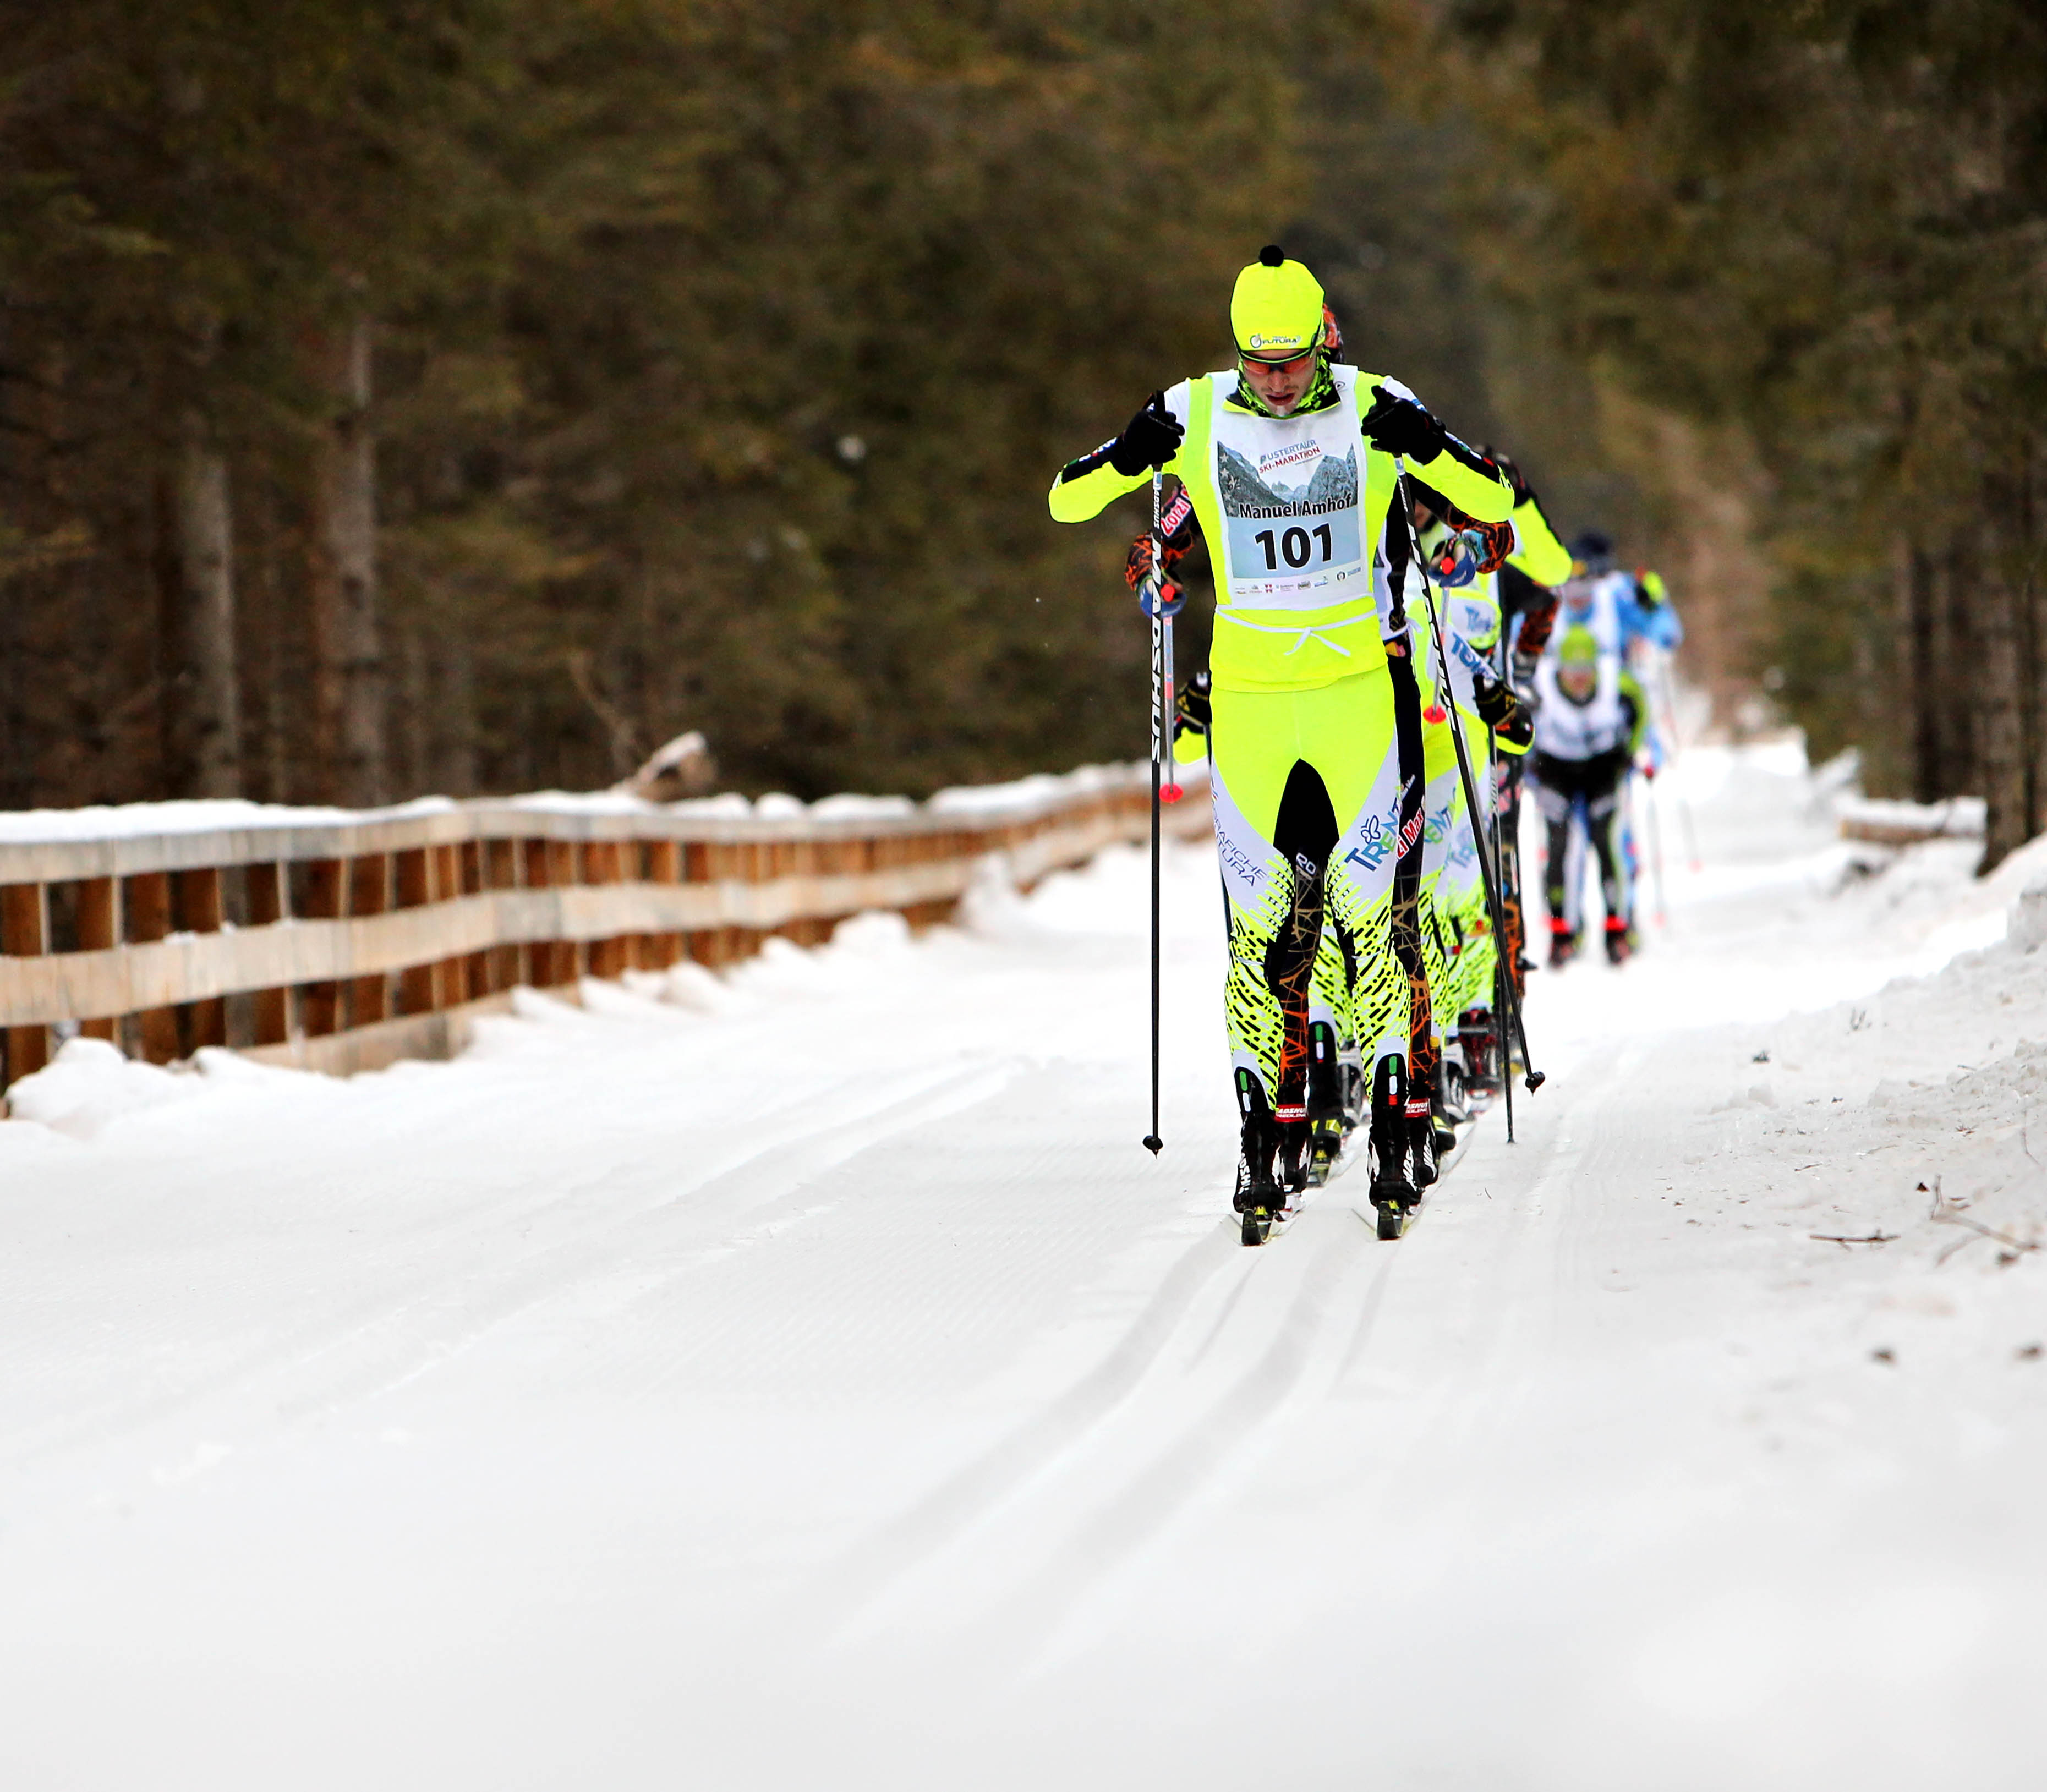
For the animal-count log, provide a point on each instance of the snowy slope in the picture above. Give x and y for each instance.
(803, 1378)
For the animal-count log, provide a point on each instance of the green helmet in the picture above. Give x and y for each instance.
(1277, 311)
(1579, 647)
(1578, 666)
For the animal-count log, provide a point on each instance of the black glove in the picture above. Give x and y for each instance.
(1401, 427)
(1150, 439)
(1192, 710)
(1503, 712)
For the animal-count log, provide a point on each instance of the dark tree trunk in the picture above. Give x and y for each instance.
(1918, 679)
(1954, 694)
(2030, 514)
(455, 772)
(349, 672)
(201, 698)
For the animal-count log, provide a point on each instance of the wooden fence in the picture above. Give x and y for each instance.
(343, 945)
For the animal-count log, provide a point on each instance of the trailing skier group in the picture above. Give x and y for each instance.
(1399, 634)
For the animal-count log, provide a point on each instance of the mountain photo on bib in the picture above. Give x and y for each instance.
(1293, 522)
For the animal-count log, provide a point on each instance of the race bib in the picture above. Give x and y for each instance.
(1289, 496)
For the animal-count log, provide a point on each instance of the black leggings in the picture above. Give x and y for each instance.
(1597, 783)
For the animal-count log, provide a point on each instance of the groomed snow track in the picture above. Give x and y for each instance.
(804, 1379)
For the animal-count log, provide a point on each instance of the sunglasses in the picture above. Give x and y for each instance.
(1295, 365)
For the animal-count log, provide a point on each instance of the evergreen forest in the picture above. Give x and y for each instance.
(467, 396)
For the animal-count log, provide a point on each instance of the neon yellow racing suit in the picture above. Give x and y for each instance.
(1299, 514)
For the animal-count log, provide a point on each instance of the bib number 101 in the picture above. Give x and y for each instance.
(1296, 546)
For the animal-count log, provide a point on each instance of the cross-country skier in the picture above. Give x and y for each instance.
(1525, 589)
(1589, 727)
(1289, 458)
(1619, 607)
(1457, 928)
(1629, 613)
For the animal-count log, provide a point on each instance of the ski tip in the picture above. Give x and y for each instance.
(1154, 1143)
(1170, 793)
(1535, 1079)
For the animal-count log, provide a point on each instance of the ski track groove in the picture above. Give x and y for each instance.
(1153, 1500)
(867, 1574)
(998, 1508)
(415, 1325)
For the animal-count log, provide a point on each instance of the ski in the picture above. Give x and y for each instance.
(1395, 1220)
(1260, 1224)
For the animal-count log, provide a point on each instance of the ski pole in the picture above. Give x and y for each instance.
(1162, 737)
(1655, 831)
(1668, 703)
(1448, 697)
(1499, 943)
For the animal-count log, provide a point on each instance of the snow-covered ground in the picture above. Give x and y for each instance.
(804, 1379)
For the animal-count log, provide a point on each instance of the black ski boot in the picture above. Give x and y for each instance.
(1258, 1195)
(1448, 1107)
(1422, 1140)
(1563, 944)
(1393, 1191)
(1325, 1125)
(1619, 941)
(1291, 1171)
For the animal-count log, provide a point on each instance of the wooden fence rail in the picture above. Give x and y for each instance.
(343, 944)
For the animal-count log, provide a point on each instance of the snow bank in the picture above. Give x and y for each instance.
(1885, 819)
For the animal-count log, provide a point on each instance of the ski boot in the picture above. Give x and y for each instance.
(1291, 1171)
(1325, 1106)
(1258, 1195)
(1563, 943)
(1619, 941)
(1448, 1108)
(1442, 1133)
(1357, 1094)
(1480, 1050)
(1393, 1191)
(1421, 1143)
(1325, 1141)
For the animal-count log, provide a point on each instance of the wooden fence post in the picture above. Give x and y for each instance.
(24, 932)
(319, 1004)
(476, 965)
(565, 957)
(196, 908)
(369, 893)
(415, 984)
(267, 885)
(98, 930)
(146, 905)
(451, 974)
(501, 862)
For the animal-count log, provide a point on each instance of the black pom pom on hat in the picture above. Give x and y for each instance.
(1272, 255)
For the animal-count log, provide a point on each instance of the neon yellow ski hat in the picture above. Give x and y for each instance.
(1276, 312)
